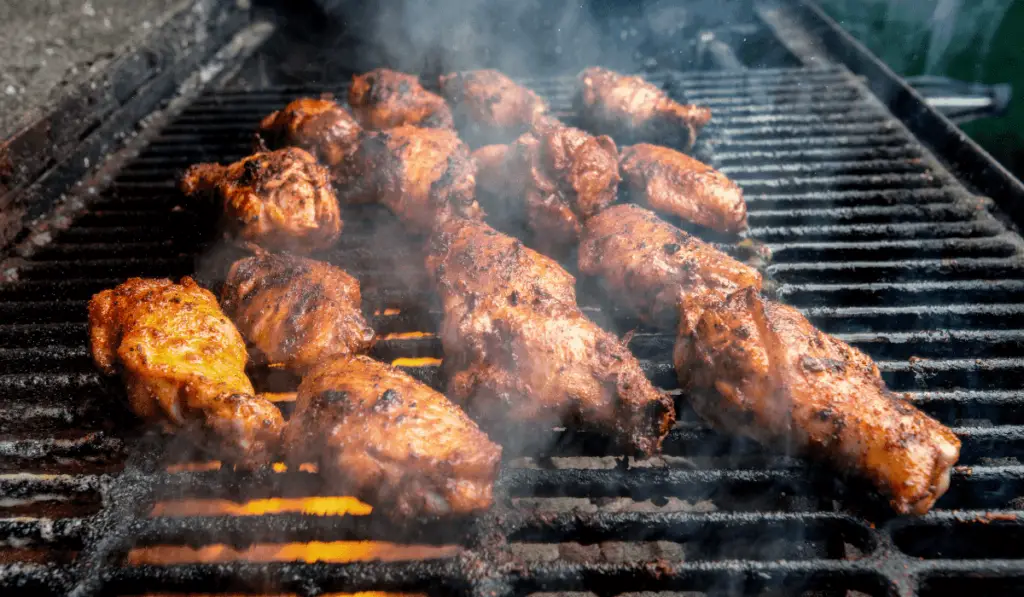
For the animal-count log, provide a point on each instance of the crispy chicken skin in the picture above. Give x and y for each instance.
(383, 98)
(489, 106)
(424, 176)
(183, 364)
(630, 107)
(655, 269)
(671, 182)
(394, 441)
(519, 351)
(764, 371)
(551, 181)
(320, 126)
(279, 200)
(296, 311)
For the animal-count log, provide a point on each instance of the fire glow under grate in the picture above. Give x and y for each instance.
(871, 237)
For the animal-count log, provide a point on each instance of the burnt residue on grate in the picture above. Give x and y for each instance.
(870, 237)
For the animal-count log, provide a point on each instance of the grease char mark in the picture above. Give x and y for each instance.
(671, 248)
(388, 400)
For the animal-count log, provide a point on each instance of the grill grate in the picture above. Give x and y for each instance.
(872, 238)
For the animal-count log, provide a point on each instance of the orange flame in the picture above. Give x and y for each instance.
(337, 552)
(408, 335)
(320, 506)
(417, 362)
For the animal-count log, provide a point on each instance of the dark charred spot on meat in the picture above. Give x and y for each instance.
(513, 298)
(671, 248)
(250, 172)
(389, 399)
(404, 87)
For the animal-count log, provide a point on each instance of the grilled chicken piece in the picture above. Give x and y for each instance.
(550, 181)
(296, 311)
(673, 183)
(519, 352)
(490, 107)
(394, 441)
(382, 99)
(655, 269)
(424, 176)
(630, 107)
(762, 370)
(280, 200)
(320, 126)
(183, 364)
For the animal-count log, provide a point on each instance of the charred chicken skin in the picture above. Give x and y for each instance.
(320, 126)
(630, 107)
(183, 364)
(489, 106)
(394, 441)
(551, 181)
(296, 311)
(382, 99)
(656, 270)
(671, 182)
(279, 200)
(424, 176)
(762, 370)
(519, 351)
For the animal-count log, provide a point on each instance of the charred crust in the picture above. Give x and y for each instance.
(389, 399)
(671, 248)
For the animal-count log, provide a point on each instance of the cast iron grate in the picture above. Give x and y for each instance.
(872, 238)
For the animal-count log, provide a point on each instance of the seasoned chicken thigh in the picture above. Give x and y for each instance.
(762, 370)
(296, 311)
(518, 350)
(320, 126)
(628, 107)
(279, 200)
(383, 99)
(490, 107)
(391, 440)
(183, 364)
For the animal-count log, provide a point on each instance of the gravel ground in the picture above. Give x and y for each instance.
(44, 44)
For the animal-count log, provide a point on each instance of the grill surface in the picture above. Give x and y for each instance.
(872, 238)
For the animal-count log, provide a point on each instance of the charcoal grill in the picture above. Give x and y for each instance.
(890, 243)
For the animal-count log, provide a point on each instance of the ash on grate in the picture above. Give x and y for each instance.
(609, 552)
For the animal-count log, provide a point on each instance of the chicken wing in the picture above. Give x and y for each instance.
(519, 351)
(296, 311)
(671, 182)
(382, 99)
(424, 176)
(320, 126)
(656, 270)
(764, 371)
(631, 108)
(183, 364)
(280, 200)
(394, 441)
(551, 181)
(489, 107)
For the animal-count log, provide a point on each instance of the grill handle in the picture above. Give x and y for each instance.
(961, 101)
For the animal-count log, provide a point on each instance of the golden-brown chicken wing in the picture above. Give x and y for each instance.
(383, 98)
(392, 440)
(671, 182)
(489, 107)
(183, 364)
(424, 176)
(655, 269)
(558, 176)
(280, 200)
(764, 371)
(296, 311)
(629, 107)
(320, 126)
(518, 350)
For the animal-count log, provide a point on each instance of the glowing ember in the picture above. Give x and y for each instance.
(419, 362)
(279, 396)
(388, 311)
(320, 506)
(408, 335)
(194, 467)
(337, 552)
